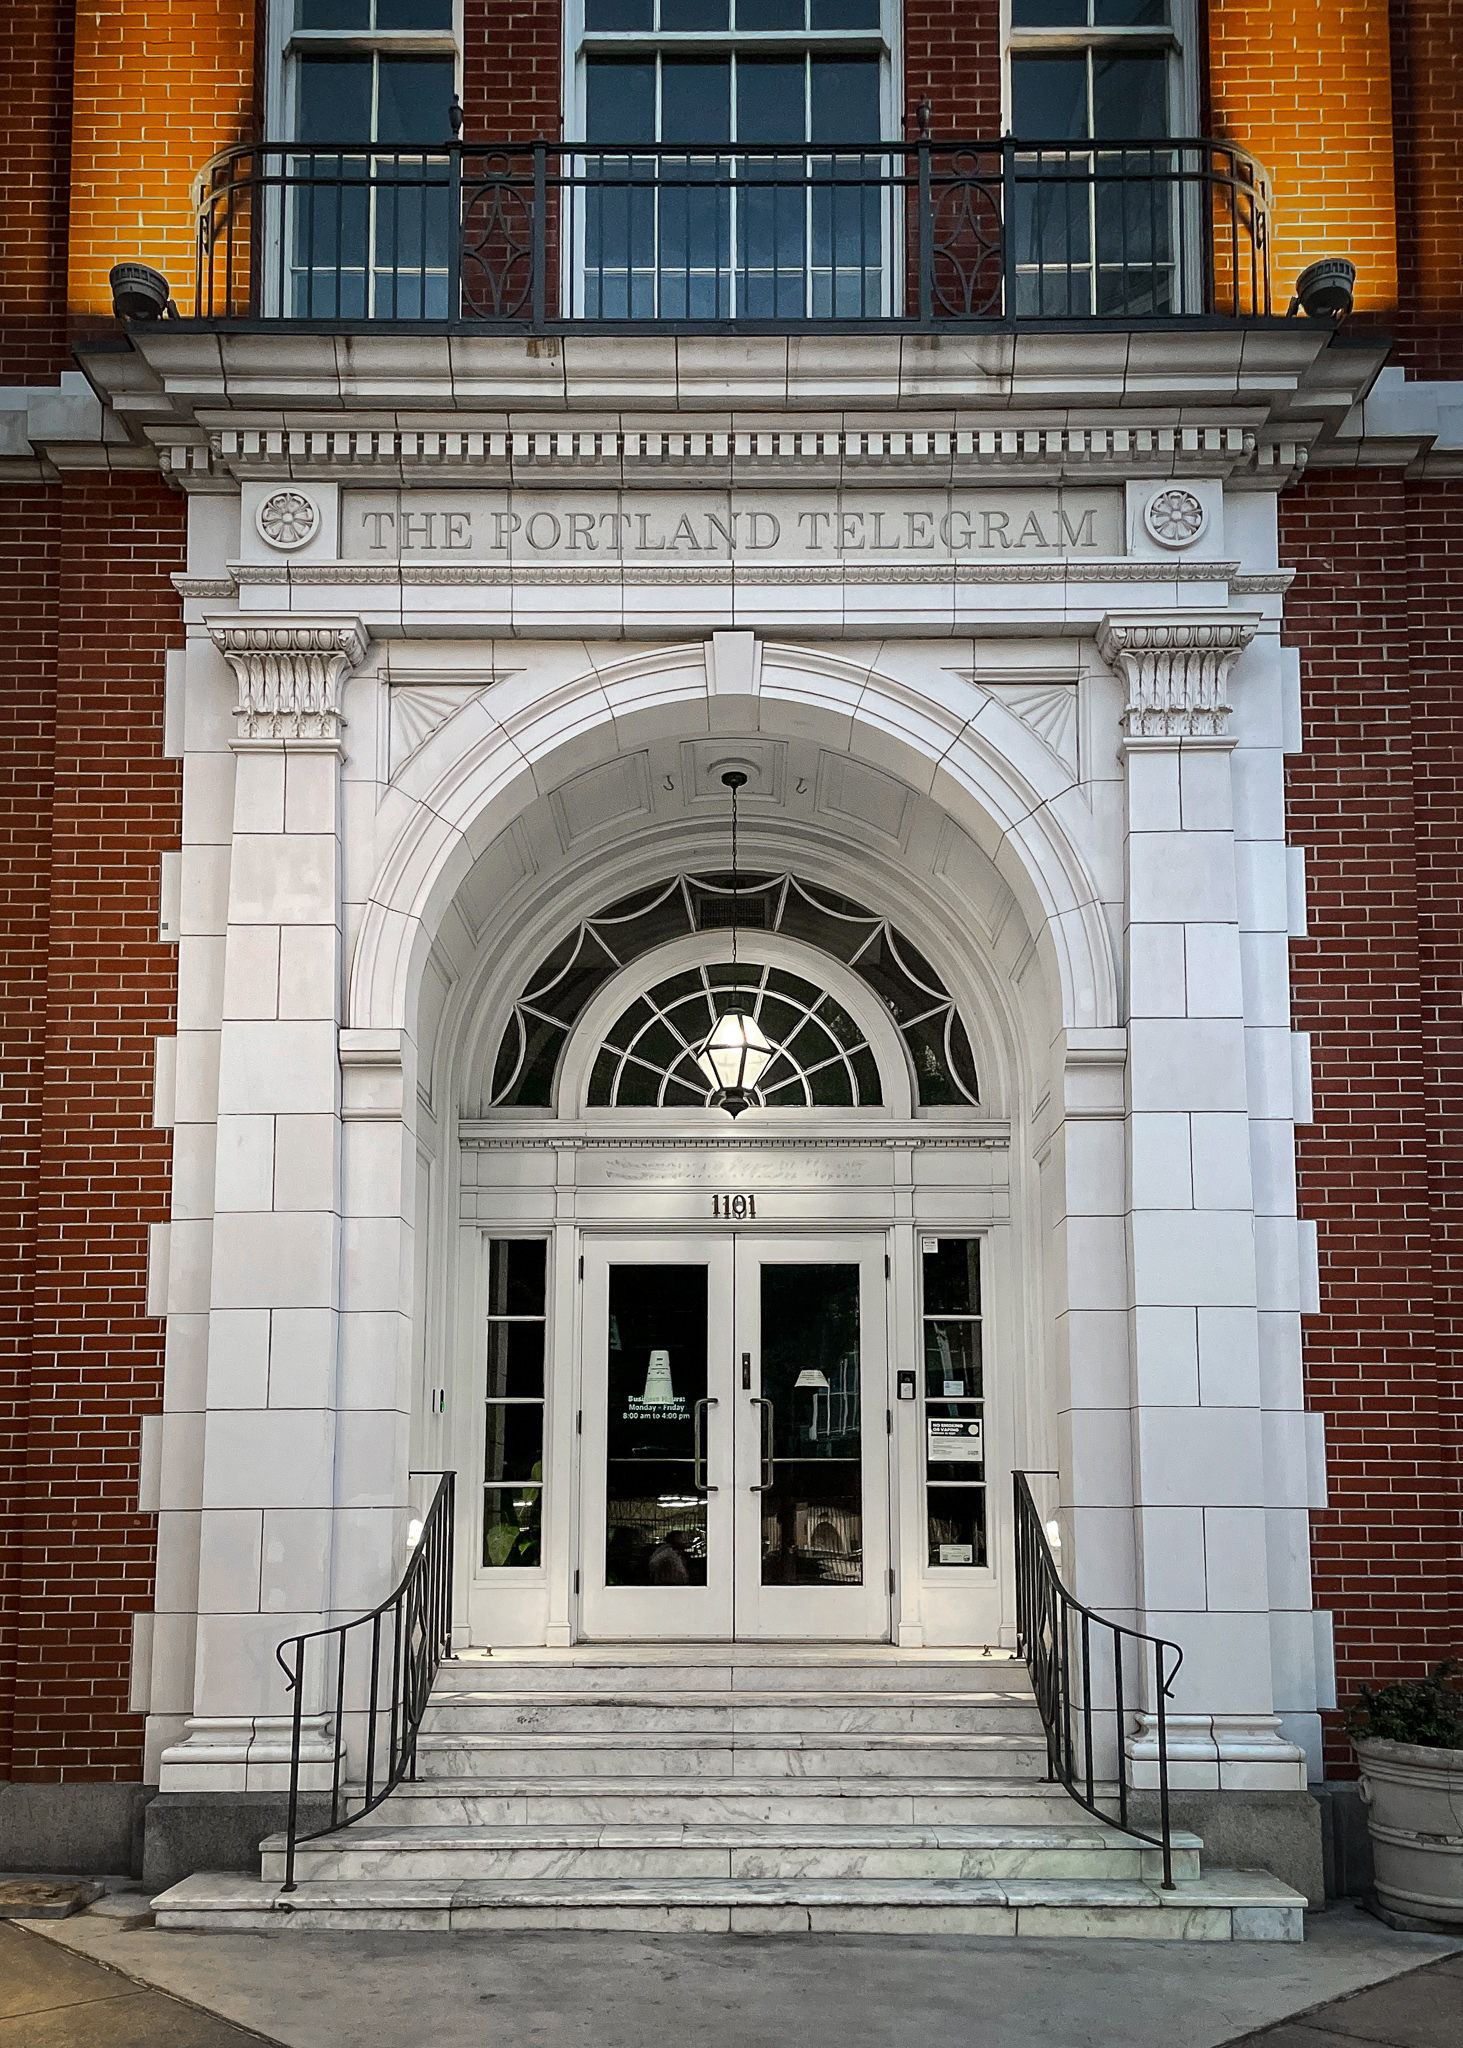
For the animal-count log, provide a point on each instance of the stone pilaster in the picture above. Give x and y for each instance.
(1197, 1440)
(272, 1431)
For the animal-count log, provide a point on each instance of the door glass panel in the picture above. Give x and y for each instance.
(655, 1505)
(811, 1441)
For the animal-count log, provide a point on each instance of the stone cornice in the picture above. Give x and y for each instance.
(289, 669)
(1247, 400)
(1175, 669)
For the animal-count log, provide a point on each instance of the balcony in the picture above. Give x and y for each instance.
(548, 239)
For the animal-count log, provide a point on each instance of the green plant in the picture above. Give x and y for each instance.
(1426, 1711)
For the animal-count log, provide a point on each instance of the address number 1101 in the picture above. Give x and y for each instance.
(735, 1208)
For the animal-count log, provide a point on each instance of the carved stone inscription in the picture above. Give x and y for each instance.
(666, 527)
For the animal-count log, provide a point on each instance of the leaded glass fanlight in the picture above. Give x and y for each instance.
(920, 1006)
(819, 1056)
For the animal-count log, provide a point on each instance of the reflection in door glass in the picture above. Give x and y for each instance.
(656, 1422)
(812, 1471)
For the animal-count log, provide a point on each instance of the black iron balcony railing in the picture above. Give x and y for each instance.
(548, 236)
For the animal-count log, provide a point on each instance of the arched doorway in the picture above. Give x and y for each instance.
(735, 1344)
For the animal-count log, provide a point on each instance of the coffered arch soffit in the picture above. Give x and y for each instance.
(474, 792)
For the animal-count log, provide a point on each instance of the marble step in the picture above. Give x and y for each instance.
(1222, 1906)
(787, 1753)
(764, 1712)
(713, 1668)
(597, 1852)
(767, 1801)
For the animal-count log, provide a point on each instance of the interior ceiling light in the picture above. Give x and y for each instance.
(735, 1053)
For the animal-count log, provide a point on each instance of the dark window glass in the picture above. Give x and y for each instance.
(1048, 13)
(952, 1358)
(655, 1501)
(413, 13)
(695, 102)
(1049, 98)
(845, 99)
(516, 1269)
(333, 99)
(764, 14)
(957, 1525)
(332, 13)
(687, 17)
(770, 101)
(619, 15)
(412, 98)
(1130, 13)
(1130, 96)
(511, 1525)
(952, 1277)
(619, 101)
(515, 1440)
(515, 1361)
(844, 14)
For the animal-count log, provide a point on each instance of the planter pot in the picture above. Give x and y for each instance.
(1414, 1803)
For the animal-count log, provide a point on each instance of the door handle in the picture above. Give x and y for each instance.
(698, 1450)
(768, 1417)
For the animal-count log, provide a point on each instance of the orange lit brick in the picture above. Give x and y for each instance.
(1306, 87)
(158, 89)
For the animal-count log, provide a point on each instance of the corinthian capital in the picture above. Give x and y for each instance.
(289, 669)
(1175, 666)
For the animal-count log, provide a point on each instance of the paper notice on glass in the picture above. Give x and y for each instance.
(957, 1553)
(955, 1443)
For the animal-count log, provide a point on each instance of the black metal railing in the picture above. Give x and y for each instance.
(1090, 1676)
(548, 236)
(381, 1694)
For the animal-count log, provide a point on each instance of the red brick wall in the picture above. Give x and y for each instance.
(86, 1560)
(511, 61)
(1379, 1358)
(1435, 634)
(29, 589)
(35, 141)
(1427, 130)
(952, 57)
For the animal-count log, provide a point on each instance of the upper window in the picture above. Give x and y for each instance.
(1102, 70)
(714, 221)
(640, 1061)
(1102, 218)
(367, 228)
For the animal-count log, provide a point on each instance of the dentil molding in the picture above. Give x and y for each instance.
(1175, 669)
(289, 669)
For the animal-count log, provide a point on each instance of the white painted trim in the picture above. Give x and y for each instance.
(159, 1251)
(164, 1083)
(169, 898)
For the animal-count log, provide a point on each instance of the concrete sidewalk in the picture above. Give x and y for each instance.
(1424, 2009)
(611, 1991)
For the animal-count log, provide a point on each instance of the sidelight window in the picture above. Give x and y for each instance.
(954, 1401)
(513, 1464)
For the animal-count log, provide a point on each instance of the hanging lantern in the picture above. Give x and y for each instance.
(735, 1053)
(734, 1057)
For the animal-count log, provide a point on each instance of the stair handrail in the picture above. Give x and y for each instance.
(421, 1637)
(1054, 1632)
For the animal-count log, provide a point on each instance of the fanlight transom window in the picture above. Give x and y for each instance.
(823, 1056)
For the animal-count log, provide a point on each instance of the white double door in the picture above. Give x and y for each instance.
(735, 1461)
